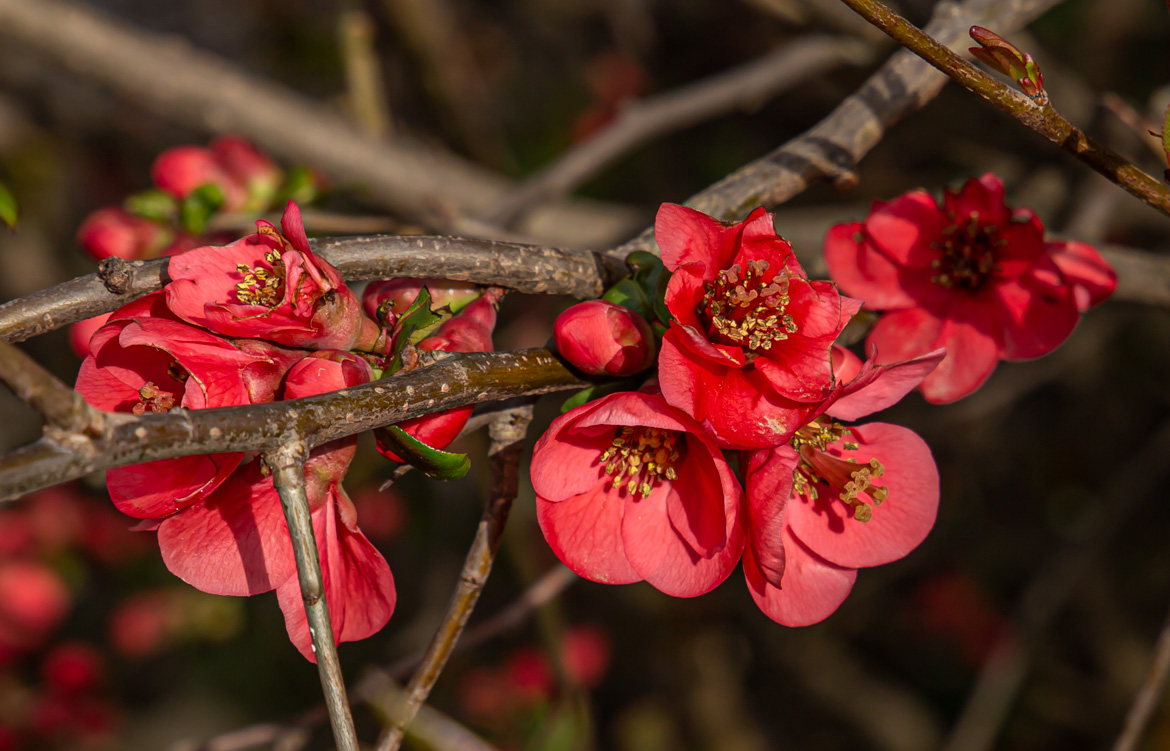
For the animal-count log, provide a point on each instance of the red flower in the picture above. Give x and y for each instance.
(112, 231)
(236, 541)
(747, 354)
(144, 361)
(629, 488)
(837, 498)
(604, 339)
(971, 275)
(469, 331)
(181, 170)
(398, 294)
(249, 167)
(269, 286)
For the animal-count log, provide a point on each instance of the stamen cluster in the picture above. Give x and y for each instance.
(645, 455)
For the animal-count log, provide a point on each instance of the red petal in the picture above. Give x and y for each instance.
(883, 386)
(293, 228)
(359, 588)
(812, 587)
(234, 543)
(688, 236)
(972, 352)
(1092, 277)
(981, 197)
(1023, 239)
(691, 503)
(769, 485)
(1037, 312)
(905, 334)
(898, 525)
(585, 532)
(904, 228)
(863, 271)
(160, 488)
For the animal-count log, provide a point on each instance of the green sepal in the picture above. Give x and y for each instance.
(629, 294)
(197, 208)
(598, 390)
(152, 204)
(9, 209)
(577, 399)
(298, 186)
(441, 465)
(415, 324)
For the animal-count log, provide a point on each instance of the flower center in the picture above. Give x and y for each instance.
(640, 457)
(154, 399)
(746, 308)
(850, 482)
(969, 251)
(262, 285)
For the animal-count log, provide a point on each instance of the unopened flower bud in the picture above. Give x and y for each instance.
(112, 231)
(604, 339)
(260, 176)
(182, 170)
(398, 294)
(1003, 56)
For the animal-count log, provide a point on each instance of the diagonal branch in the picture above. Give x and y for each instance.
(63, 408)
(832, 148)
(525, 268)
(506, 451)
(453, 381)
(746, 86)
(1148, 695)
(1039, 118)
(288, 475)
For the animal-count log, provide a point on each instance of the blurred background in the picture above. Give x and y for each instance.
(1027, 620)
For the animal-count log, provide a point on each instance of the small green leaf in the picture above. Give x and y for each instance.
(198, 208)
(441, 465)
(577, 399)
(9, 210)
(629, 294)
(152, 204)
(298, 186)
(661, 312)
(415, 324)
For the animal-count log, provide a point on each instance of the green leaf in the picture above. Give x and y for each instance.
(661, 312)
(198, 208)
(298, 186)
(441, 465)
(9, 210)
(152, 204)
(415, 324)
(577, 399)
(629, 294)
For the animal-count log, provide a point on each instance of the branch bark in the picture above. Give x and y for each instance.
(505, 454)
(453, 381)
(1042, 119)
(524, 268)
(288, 475)
(833, 147)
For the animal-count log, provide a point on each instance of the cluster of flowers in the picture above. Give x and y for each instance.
(259, 320)
(638, 485)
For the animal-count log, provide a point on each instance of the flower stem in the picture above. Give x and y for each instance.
(1042, 119)
(288, 474)
(507, 448)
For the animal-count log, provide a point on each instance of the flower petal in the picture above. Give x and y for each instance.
(235, 543)
(585, 532)
(688, 236)
(972, 352)
(160, 488)
(812, 588)
(878, 387)
(769, 486)
(1092, 277)
(863, 271)
(1037, 312)
(898, 524)
(904, 229)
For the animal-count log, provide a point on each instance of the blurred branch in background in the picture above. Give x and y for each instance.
(365, 87)
(745, 87)
(1146, 700)
(198, 89)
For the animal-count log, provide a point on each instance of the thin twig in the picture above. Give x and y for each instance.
(453, 381)
(525, 268)
(365, 92)
(505, 453)
(1038, 117)
(1146, 699)
(431, 728)
(288, 475)
(62, 407)
(832, 148)
(747, 86)
(1048, 592)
